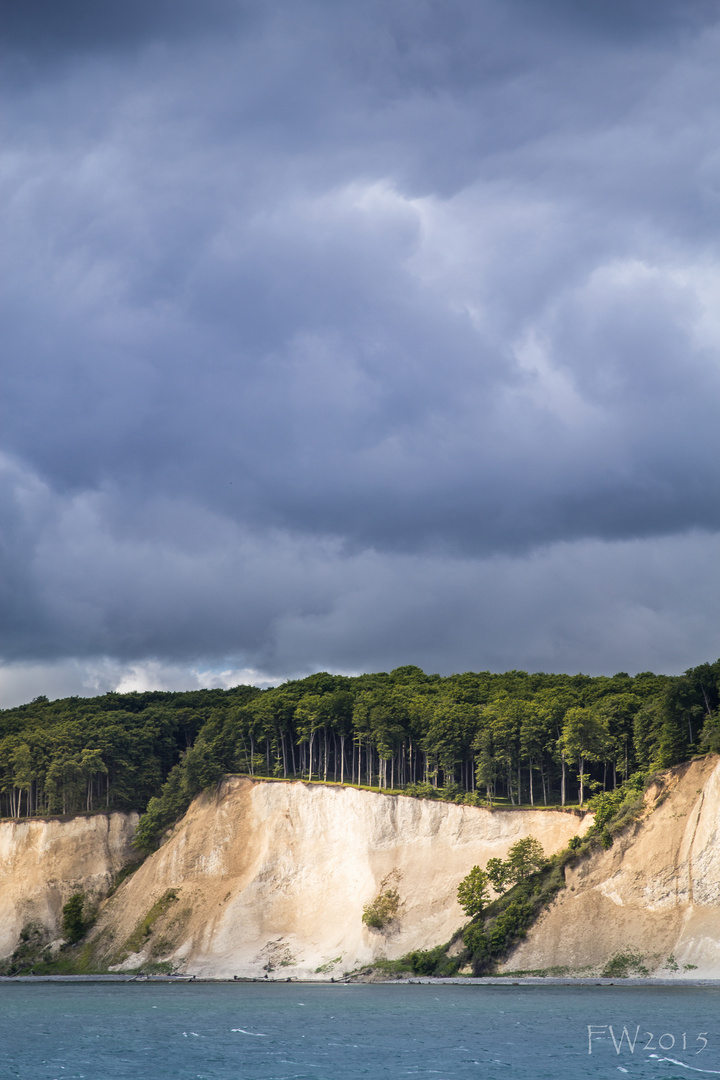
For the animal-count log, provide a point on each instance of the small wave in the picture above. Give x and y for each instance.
(683, 1065)
(257, 1034)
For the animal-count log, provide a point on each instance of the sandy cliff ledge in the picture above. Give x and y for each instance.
(275, 875)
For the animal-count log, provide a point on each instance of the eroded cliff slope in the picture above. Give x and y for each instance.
(655, 894)
(43, 862)
(272, 878)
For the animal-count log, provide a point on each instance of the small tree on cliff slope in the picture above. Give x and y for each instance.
(524, 858)
(498, 873)
(73, 924)
(472, 892)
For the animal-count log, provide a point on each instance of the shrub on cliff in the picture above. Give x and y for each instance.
(73, 923)
(382, 910)
(472, 893)
(432, 962)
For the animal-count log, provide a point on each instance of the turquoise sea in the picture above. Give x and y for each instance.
(141, 1031)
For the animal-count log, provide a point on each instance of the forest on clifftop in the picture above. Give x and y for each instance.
(483, 738)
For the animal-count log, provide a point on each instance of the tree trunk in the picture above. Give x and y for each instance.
(562, 782)
(582, 778)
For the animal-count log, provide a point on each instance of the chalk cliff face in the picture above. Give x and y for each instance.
(43, 862)
(273, 877)
(654, 893)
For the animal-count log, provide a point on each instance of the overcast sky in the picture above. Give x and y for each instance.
(345, 334)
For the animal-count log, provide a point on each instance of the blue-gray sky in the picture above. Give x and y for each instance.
(344, 334)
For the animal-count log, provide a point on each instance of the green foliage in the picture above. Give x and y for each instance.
(422, 790)
(477, 944)
(491, 936)
(476, 738)
(73, 923)
(472, 892)
(689, 701)
(30, 950)
(138, 938)
(498, 874)
(383, 909)
(177, 794)
(431, 962)
(497, 927)
(524, 858)
(585, 738)
(110, 752)
(325, 969)
(613, 809)
(510, 925)
(622, 965)
(710, 738)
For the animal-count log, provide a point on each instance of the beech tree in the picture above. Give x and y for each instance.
(524, 858)
(498, 873)
(585, 737)
(472, 892)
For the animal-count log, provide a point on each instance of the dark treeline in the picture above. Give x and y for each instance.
(109, 752)
(519, 738)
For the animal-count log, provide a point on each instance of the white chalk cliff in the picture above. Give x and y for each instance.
(43, 862)
(655, 893)
(272, 878)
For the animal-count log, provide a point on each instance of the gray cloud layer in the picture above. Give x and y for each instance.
(346, 335)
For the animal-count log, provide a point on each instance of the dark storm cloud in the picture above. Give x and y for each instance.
(305, 297)
(621, 19)
(47, 28)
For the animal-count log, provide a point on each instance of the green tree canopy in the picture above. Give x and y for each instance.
(524, 858)
(472, 892)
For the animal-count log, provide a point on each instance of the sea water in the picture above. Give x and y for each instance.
(291, 1031)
